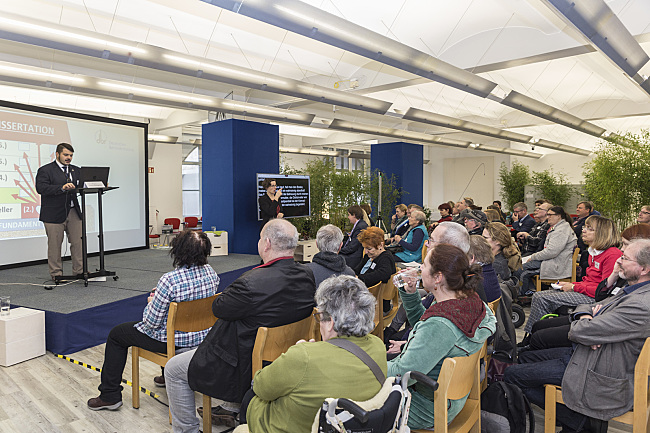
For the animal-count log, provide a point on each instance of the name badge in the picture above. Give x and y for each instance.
(372, 265)
(616, 290)
(597, 265)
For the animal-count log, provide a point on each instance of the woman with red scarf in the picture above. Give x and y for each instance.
(456, 324)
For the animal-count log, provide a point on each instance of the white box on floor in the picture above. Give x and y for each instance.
(305, 251)
(22, 336)
(219, 241)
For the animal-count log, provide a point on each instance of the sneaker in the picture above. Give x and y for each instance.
(99, 404)
(221, 416)
(159, 381)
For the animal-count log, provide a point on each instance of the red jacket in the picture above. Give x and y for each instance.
(600, 267)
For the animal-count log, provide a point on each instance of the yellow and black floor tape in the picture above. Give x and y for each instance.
(99, 370)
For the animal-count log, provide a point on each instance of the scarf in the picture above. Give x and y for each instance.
(466, 313)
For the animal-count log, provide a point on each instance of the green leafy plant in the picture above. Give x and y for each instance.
(553, 186)
(513, 182)
(616, 179)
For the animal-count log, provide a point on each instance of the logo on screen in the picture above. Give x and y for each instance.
(100, 137)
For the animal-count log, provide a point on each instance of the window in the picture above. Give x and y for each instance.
(192, 185)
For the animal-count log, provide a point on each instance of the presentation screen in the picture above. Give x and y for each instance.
(295, 194)
(28, 140)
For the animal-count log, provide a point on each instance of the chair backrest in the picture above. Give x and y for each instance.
(174, 222)
(189, 316)
(424, 250)
(376, 292)
(191, 222)
(270, 343)
(494, 305)
(641, 390)
(389, 293)
(458, 375)
(575, 262)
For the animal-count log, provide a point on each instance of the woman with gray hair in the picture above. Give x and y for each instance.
(287, 394)
(327, 262)
(413, 239)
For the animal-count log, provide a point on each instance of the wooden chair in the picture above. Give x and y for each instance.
(494, 305)
(376, 292)
(487, 356)
(388, 293)
(270, 343)
(637, 417)
(189, 316)
(574, 270)
(458, 377)
(424, 251)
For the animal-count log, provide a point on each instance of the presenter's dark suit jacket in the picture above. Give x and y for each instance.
(352, 251)
(55, 203)
(269, 209)
(524, 225)
(274, 294)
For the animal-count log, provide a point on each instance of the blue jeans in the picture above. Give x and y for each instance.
(539, 367)
(526, 274)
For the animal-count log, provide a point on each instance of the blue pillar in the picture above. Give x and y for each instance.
(404, 160)
(233, 152)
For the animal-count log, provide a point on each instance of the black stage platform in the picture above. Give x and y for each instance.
(78, 317)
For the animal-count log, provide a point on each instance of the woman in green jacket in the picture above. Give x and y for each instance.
(456, 324)
(289, 392)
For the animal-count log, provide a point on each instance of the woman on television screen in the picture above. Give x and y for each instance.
(270, 206)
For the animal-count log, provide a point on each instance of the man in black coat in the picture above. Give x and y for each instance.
(276, 293)
(352, 249)
(56, 183)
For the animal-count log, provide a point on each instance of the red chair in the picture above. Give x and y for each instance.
(176, 224)
(153, 238)
(191, 223)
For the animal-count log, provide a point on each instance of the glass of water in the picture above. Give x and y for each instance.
(5, 305)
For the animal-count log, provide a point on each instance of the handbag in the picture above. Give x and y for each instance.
(394, 248)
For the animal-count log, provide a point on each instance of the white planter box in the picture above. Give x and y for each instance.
(22, 336)
(219, 243)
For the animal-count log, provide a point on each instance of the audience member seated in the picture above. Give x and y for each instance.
(445, 215)
(276, 293)
(413, 239)
(399, 222)
(554, 332)
(327, 261)
(191, 279)
(378, 265)
(368, 210)
(644, 215)
(506, 254)
(497, 203)
(554, 261)
(465, 203)
(480, 253)
(603, 239)
(287, 394)
(474, 221)
(533, 241)
(522, 222)
(597, 373)
(458, 323)
(352, 249)
(493, 214)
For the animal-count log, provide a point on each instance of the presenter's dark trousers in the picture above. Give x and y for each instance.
(72, 227)
(117, 347)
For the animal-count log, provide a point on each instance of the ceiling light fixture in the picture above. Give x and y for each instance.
(182, 97)
(529, 105)
(56, 33)
(304, 151)
(21, 72)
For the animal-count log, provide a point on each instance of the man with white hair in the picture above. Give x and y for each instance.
(644, 215)
(276, 293)
(327, 262)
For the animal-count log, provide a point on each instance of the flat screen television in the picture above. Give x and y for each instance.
(295, 194)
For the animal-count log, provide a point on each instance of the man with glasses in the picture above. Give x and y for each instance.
(644, 215)
(522, 221)
(583, 211)
(597, 372)
(533, 242)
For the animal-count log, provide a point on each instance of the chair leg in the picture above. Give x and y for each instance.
(549, 409)
(207, 414)
(135, 369)
(538, 283)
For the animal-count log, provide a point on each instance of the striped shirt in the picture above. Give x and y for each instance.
(181, 284)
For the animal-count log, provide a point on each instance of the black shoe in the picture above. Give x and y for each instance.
(99, 404)
(159, 381)
(221, 416)
(525, 342)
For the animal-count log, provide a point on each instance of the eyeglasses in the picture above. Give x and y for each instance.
(520, 210)
(627, 259)
(321, 317)
(644, 212)
(588, 229)
(551, 214)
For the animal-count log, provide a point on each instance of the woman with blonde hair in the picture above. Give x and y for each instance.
(507, 257)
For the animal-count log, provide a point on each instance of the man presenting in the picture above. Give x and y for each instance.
(56, 183)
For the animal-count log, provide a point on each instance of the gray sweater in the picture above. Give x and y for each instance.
(326, 264)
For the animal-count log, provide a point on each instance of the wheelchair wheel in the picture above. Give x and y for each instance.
(518, 315)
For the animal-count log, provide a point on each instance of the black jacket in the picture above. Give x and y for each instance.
(269, 209)
(55, 203)
(384, 267)
(274, 294)
(352, 251)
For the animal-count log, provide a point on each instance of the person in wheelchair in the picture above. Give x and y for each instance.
(287, 395)
(456, 324)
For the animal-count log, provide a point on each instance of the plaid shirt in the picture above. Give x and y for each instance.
(181, 284)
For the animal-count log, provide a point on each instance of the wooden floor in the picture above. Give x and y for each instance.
(49, 394)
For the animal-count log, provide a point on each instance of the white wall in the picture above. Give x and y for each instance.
(567, 163)
(165, 184)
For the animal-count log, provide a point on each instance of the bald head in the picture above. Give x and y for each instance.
(278, 239)
(451, 233)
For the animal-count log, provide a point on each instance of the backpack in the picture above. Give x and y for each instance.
(504, 408)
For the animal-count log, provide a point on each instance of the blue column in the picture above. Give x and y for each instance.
(404, 160)
(233, 152)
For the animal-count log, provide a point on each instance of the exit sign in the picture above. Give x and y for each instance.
(150, 169)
